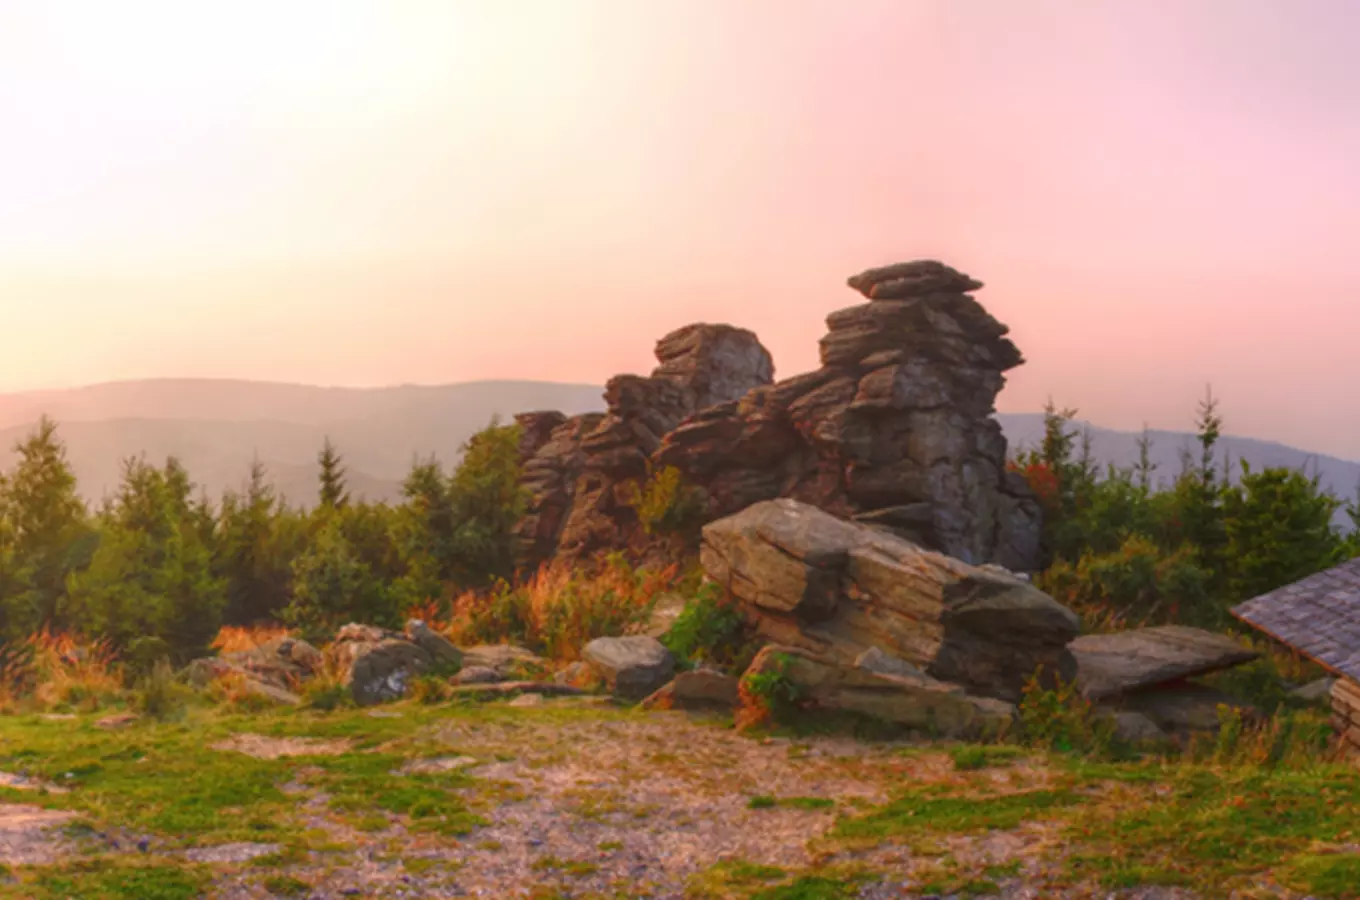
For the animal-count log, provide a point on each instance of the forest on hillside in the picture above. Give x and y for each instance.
(158, 568)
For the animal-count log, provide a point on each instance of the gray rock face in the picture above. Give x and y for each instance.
(632, 667)
(1127, 661)
(837, 589)
(440, 648)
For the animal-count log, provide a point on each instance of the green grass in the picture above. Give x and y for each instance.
(1254, 810)
(968, 757)
(111, 880)
(764, 801)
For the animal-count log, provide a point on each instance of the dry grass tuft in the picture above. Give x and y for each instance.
(54, 670)
(234, 639)
(560, 609)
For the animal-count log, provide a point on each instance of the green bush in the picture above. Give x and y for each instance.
(665, 504)
(1061, 719)
(711, 629)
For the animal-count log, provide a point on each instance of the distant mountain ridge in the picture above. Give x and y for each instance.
(217, 427)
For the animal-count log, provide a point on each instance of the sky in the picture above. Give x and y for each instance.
(1159, 195)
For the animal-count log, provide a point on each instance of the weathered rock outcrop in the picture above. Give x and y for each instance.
(894, 429)
(838, 589)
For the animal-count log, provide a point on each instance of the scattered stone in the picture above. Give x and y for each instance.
(383, 714)
(440, 648)
(1314, 691)
(116, 721)
(264, 747)
(632, 667)
(699, 689)
(837, 589)
(476, 675)
(1126, 661)
(527, 700)
(917, 702)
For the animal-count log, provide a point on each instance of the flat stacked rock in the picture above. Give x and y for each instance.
(860, 598)
(549, 474)
(1142, 678)
(895, 429)
(1129, 661)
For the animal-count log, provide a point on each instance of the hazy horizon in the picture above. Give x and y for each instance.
(1158, 195)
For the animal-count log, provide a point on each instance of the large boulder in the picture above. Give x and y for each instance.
(377, 665)
(1128, 661)
(836, 589)
(380, 672)
(916, 702)
(631, 667)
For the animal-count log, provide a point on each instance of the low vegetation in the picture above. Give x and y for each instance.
(147, 787)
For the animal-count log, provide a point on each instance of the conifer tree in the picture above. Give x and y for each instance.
(46, 532)
(334, 494)
(151, 575)
(258, 539)
(1144, 468)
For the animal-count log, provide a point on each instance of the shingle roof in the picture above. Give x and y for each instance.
(1318, 616)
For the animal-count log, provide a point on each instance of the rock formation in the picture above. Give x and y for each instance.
(581, 479)
(838, 589)
(895, 429)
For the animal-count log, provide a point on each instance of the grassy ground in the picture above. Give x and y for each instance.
(568, 798)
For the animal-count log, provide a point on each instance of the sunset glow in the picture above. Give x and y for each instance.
(1157, 195)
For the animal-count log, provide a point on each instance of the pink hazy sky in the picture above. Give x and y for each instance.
(1157, 193)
